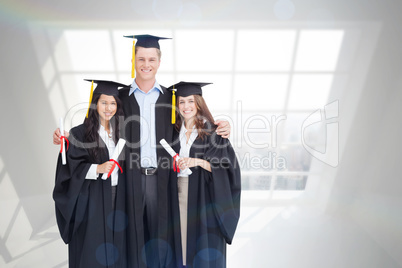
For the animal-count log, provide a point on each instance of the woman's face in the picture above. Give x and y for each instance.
(187, 107)
(106, 107)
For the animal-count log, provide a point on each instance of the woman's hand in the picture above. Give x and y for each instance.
(105, 167)
(56, 136)
(188, 162)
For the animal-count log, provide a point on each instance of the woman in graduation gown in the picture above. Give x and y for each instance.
(90, 211)
(209, 198)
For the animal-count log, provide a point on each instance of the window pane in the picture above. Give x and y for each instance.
(291, 182)
(309, 91)
(318, 50)
(256, 92)
(296, 157)
(256, 182)
(204, 50)
(262, 50)
(123, 50)
(259, 130)
(292, 127)
(89, 50)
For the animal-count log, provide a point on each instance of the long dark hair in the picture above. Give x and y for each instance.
(92, 126)
(204, 122)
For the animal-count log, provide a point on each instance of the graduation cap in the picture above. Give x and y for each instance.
(184, 89)
(146, 40)
(143, 40)
(104, 87)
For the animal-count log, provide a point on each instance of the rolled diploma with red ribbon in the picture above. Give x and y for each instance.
(173, 154)
(119, 147)
(63, 146)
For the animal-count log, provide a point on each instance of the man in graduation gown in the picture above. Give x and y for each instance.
(147, 109)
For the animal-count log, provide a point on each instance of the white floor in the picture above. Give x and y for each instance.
(272, 236)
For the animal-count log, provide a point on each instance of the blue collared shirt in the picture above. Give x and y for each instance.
(146, 102)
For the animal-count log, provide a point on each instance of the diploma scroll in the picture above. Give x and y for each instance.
(175, 156)
(63, 146)
(117, 151)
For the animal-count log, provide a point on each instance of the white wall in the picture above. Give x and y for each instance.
(349, 218)
(368, 184)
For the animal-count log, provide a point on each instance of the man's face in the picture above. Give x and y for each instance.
(147, 63)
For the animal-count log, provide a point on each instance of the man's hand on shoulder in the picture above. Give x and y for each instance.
(223, 128)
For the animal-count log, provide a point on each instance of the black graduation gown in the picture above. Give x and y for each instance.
(95, 234)
(164, 130)
(213, 203)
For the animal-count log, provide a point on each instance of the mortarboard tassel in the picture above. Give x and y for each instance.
(133, 62)
(173, 107)
(90, 97)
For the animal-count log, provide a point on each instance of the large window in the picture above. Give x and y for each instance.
(266, 82)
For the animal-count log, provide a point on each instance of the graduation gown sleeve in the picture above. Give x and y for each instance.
(224, 185)
(71, 189)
